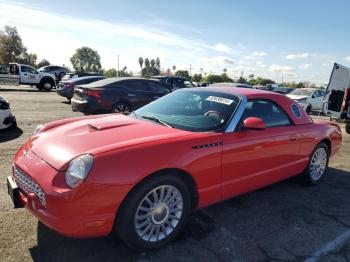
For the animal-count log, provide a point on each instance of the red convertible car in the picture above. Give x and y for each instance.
(142, 175)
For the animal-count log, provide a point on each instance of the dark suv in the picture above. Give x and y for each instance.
(174, 82)
(120, 95)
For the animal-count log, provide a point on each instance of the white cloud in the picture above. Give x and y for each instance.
(259, 53)
(57, 39)
(347, 58)
(220, 60)
(260, 64)
(305, 66)
(222, 48)
(297, 56)
(282, 69)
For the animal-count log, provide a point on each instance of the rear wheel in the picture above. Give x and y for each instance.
(154, 213)
(122, 108)
(317, 166)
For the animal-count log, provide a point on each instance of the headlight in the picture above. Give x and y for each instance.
(78, 169)
(38, 129)
(303, 101)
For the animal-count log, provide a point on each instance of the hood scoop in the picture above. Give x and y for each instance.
(103, 125)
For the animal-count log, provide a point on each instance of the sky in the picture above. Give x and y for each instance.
(296, 40)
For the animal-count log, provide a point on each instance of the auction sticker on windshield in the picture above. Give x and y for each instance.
(220, 100)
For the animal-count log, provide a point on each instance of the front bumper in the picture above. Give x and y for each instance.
(86, 211)
(65, 92)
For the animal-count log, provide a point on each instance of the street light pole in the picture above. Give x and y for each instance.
(118, 67)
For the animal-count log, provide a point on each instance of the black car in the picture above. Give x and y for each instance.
(283, 90)
(120, 95)
(174, 82)
(66, 88)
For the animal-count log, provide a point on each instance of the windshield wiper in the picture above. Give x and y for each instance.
(156, 119)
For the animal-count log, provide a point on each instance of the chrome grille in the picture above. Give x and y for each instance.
(28, 185)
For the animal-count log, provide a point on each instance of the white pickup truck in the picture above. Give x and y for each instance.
(18, 74)
(337, 98)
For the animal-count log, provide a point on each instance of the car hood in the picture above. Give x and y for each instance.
(60, 144)
(297, 97)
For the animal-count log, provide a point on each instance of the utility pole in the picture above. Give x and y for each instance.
(282, 80)
(118, 67)
(190, 70)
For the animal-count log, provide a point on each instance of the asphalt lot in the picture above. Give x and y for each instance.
(284, 222)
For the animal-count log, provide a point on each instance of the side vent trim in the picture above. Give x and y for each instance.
(207, 145)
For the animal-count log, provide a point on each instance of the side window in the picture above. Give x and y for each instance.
(156, 87)
(268, 111)
(136, 85)
(179, 83)
(296, 111)
(28, 69)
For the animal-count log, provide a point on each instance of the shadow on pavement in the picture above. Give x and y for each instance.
(10, 134)
(282, 223)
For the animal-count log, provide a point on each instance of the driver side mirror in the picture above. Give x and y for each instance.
(254, 123)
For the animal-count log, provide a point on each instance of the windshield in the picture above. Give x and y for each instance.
(191, 110)
(301, 92)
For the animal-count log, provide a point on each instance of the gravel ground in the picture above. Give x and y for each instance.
(283, 222)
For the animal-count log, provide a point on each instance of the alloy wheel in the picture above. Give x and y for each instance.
(159, 213)
(318, 163)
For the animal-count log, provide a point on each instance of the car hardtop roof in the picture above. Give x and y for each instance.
(248, 92)
(112, 80)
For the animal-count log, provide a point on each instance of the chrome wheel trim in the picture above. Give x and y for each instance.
(122, 108)
(159, 213)
(318, 163)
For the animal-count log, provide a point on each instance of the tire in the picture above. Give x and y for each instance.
(144, 231)
(347, 127)
(46, 85)
(308, 109)
(121, 107)
(311, 176)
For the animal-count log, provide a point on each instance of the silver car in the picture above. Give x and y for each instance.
(58, 71)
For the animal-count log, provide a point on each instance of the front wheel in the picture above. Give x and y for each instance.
(347, 127)
(154, 213)
(317, 166)
(308, 109)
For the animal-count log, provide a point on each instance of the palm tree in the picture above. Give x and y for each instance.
(153, 63)
(147, 66)
(141, 63)
(158, 63)
(225, 70)
(174, 68)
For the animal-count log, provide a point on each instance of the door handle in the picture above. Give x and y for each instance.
(292, 139)
(25, 74)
